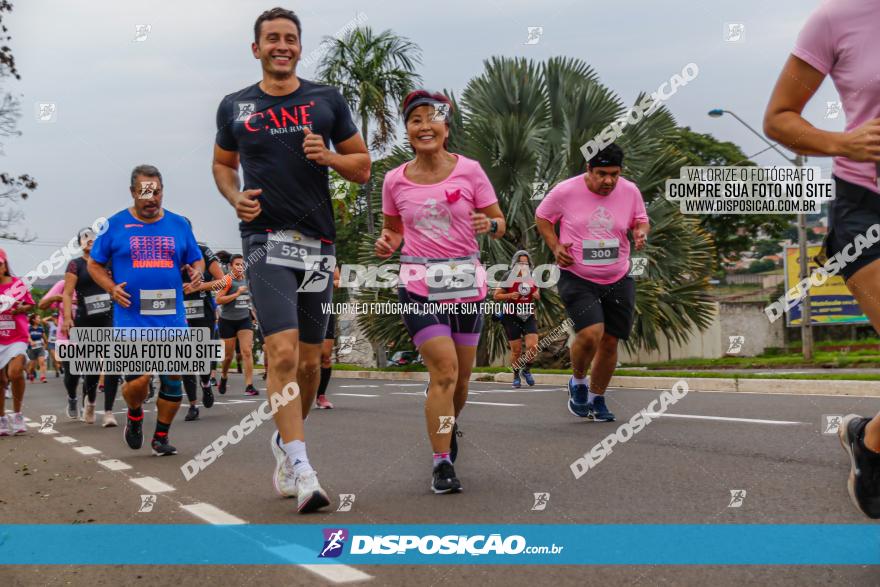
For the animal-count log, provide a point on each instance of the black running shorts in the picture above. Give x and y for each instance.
(589, 303)
(516, 328)
(276, 300)
(463, 323)
(852, 212)
(230, 328)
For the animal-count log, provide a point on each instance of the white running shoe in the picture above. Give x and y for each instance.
(310, 496)
(109, 421)
(18, 426)
(283, 478)
(5, 430)
(89, 413)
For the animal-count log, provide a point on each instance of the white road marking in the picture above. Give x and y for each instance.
(114, 465)
(152, 484)
(421, 393)
(65, 439)
(86, 450)
(495, 404)
(338, 573)
(211, 514)
(356, 394)
(47, 430)
(408, 384)
(515, 390)
(343, 386)
(32, 424)
(723, 419)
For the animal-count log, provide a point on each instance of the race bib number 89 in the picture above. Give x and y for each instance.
(158, 302)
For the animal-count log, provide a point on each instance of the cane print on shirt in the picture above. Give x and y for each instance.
(433, 219)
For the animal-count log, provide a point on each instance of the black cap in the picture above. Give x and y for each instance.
(610, 156)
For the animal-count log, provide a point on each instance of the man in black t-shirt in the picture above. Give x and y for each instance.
(199, 305)
(278, 130)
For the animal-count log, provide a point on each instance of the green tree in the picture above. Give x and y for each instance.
(732, 233)
(525, 123)
(374, 73)
(767, 246)
(761, 266)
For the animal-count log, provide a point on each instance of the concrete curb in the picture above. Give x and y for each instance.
(782, 386)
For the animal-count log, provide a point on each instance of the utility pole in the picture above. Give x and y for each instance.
(806, 322)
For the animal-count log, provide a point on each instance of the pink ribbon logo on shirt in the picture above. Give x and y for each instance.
(454, 196)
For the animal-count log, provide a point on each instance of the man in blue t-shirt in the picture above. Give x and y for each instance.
(148, 247)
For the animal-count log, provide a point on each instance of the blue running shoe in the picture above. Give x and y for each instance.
(516, 381)
(599, 411)
(577, 399)
(528, 377)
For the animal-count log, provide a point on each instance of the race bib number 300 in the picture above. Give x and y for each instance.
(158, 302)
(290, 249)
(601, 251)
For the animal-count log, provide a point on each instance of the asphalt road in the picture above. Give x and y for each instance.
(679, 469)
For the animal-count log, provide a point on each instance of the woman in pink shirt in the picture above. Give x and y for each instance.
(841, 39)
(15, 303)
(437, 204)
(54, 299)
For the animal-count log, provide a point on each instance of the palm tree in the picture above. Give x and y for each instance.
(525, 123)
(374, 74)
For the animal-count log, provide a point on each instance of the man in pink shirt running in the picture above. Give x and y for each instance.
(594, 211)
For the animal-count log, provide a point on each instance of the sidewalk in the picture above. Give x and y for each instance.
(816, 386)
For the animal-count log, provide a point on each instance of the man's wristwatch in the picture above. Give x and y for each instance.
(493, 226)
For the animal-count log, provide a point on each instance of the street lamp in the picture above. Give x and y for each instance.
(798, 160)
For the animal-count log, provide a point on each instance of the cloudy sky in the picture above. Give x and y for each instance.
(121, 102)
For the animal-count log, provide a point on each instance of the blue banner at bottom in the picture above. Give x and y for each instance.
(471, 544)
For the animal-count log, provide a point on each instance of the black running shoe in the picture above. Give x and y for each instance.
(134, 430)
(453, 445)
(207, 396)
(251, 390)
(445, 480)
(864, 474)
(161, 447)
(192, 413)
(222, 387)
(213, 382)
